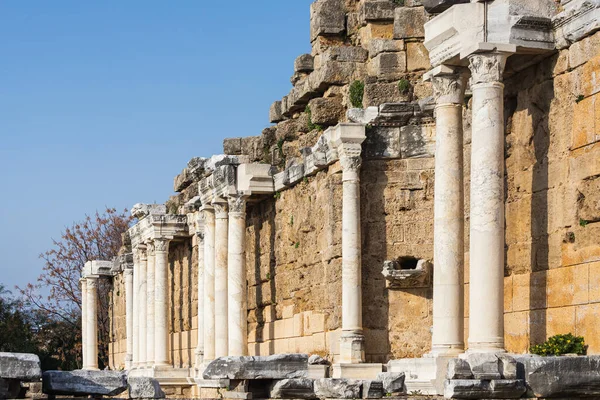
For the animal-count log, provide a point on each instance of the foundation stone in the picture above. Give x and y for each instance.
(280, 366)
(80, 382)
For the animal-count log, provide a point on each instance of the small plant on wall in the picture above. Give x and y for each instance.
(357, 91)
(560, 344)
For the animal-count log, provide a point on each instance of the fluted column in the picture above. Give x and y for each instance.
(209, 283)
(135, 308)
(200, 246)
(221, 251)
(161, 305)
(486, 283)
(150, 287)
(142, 314)
(128, 272)
(91, 328)
(448, 245)
(83, 283)
(236, 277)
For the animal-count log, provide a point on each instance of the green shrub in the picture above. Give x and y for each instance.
(399, 2)
(311, 126)
(357, 91)
(404, 86)
(560, 344)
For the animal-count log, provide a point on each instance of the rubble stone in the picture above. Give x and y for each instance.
(459, 369)
(377, 10)
(328, 388)
(326, 111)
(388, 65)
(327, 17)
(372, 389)
(409, 22)
(393, 382)
(484, 365)
(81, 382)
(304, 63)
(280, 366)
(377, 46)
(144, 388)
(316, 359)
(293, 389)
(275, 114)
(21, 366)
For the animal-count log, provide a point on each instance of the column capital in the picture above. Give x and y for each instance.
(221, 206)
(449, 84)
(161, 245)
(92, 281)
(237, 204)
(128, 272)
(150, 248)
(350, 167)
(487, 67)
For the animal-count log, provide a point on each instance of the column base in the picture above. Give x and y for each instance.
(357, 371)
(352, 348)
(446, 351)
(425, 375)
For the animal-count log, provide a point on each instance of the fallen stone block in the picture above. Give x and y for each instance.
(279, 366)
(393, 382)
(304, 63)
(484, 365)
(372, 389)
(316, 359)
(508, 366)
(275, 113)
(21, 366)
(328, 388)
(293, 389)
(10, 388)
(507, 388)
(458, 369)
(466, 389)
(144, 388)
(80, 382)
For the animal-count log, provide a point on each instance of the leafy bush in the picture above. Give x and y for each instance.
(403, 86)
(311, 126)
(560, 344)
(357, 91)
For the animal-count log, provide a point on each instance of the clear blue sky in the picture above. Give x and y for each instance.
(102, 103)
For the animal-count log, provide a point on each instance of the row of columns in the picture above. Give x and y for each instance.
(486, 250)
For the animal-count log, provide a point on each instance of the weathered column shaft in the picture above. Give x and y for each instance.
(221, 251)
(84, 354)
(134, 314)
(448, 277)
(200, 346)
(92, 324)
(161, 305)
(150, 287)
(209, 283)
(486, 283)
(142, 310)
(352, 339)
(236, 277)
(129, 316)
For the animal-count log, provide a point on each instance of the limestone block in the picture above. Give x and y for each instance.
(416, 141)
(372, 389)
(507, 388)
(21, 366)
(314, 161)
(395, 114)
(376, 10)
(293, 389)
(304, 63)
(378, 93)
(484, 365)
(80, 382)
(275, 112)
(326, 111)
(342, 54)
(458, 369)
(409, 22)
(231, 146)
(377, 46)
(363, 115)
(374, 30)
(484, 389)
(281, 366)
(438, 6)
(578, 19)
(588, 202)
(393, 382)
(255, 178)
(388, 65)
(294, 173)
(383, 142)
(144, 388)
(327, 388)
(317, 360)
(417, 57)
(327, 17)
(508, 366)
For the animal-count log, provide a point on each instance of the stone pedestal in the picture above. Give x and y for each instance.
(448, 278)
(236, 277)
(129, 316)
(221, 252)
(161, 305)
(142, 314)
(150, 287)
(486, 302)
(209, 283)
(91, 329)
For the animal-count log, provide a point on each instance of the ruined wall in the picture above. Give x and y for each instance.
(117, 347)
(552, 282)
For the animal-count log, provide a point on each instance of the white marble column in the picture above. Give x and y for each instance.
(236, 277)
(209, 283)
(91, 329)
(448, 245)
(161, 305)
(352, 340)
(486, 283)
(221, 251)
(83, 283)
(200, 246)
(128, 272)
(134, 314)
(150, 287)
(142, 301)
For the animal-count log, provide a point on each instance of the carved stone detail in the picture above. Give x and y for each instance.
(161, 245)
(150, 248)
(237, 203)
(92, 282)
(351, 164)
(221, 208)
(487, 67)
(449, 88)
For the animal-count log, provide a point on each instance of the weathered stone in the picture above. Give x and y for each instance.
(508, 366)
(438, 6)
(372, 389)
(409, 22)
(507, 388)
(328, 388)
(395, 114)
(144, 388)
(589, 200)
(416, 141)
(21, 366)
(393, 382)
(377, 46)
(293, 389)
(484, 365)
(384, 92)
(458, 369)
(466, 389)
(382, 142)
(362, 115)
(80, 382)
(275, 113)
(326, 111)
(253, 147)
(344, 54)
(417, 57)
(561, 376)
(377, 10)
(327, 17)
(10, 388)
(304, 63)
(316, 359)
(388, 65)
(280, 366)
(231, 146)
